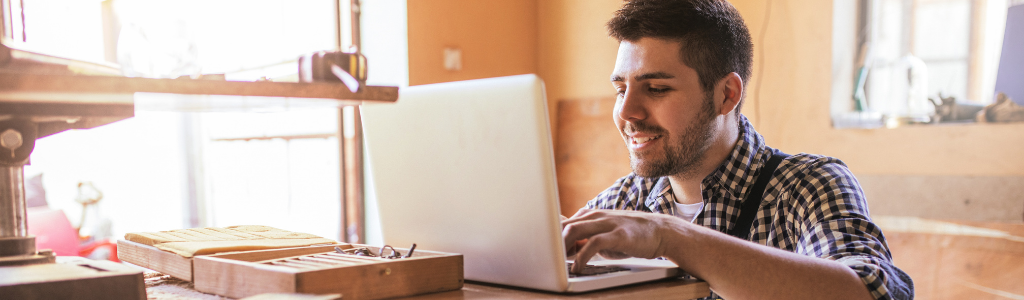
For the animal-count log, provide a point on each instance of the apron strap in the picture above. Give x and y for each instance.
(753, 201)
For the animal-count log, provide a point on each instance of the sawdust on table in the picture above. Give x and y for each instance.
(160, 286)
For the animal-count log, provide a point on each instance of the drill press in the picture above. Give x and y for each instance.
(17, 139)
(28, 112)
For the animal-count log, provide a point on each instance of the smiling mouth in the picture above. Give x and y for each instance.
(643, 140)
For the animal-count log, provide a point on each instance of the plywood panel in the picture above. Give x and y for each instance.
(589, 153)
(975, 198)
(959, 260)
(979, 274)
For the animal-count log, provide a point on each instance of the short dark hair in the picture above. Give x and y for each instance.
(715, 40)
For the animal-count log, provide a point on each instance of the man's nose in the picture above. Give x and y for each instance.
(630, 106)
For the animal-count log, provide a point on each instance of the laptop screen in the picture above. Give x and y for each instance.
(467, 167)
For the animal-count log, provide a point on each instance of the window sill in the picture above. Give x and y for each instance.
(874, 120)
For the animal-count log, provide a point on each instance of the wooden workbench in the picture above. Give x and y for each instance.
(163, 287)
(662, 289)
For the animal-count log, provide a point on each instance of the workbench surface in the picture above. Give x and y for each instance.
(164, 287)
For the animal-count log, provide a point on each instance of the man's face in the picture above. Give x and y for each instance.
(661, 110)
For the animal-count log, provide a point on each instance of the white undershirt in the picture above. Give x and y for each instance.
(688, 212)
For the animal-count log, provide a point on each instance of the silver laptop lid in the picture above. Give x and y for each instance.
(468, 167)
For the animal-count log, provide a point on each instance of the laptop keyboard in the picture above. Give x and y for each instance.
(591, 270)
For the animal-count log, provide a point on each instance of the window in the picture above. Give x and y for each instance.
(169, 170)
(892, 59)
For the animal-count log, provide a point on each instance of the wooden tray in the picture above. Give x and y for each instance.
(320, 270)
(150, 257)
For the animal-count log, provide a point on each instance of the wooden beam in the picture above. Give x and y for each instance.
(76, 88)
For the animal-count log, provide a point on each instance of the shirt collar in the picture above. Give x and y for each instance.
(661, 197)
(734, 174)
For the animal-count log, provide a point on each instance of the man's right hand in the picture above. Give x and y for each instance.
(615, 234)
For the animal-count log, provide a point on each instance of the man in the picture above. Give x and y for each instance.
(681, 74)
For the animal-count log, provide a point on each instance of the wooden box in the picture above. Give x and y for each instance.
(320, 270)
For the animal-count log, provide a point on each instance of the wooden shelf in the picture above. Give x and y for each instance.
(79, 101)
(59, 94)
(31, 81)
(40, 88)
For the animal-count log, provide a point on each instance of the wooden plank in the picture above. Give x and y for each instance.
(21, 57)
(83, 279)
(76, 88)
(155, 259)
(263, 255)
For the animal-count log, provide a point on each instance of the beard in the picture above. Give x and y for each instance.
(682, 153)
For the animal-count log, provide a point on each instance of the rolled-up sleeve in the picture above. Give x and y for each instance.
(832, 220)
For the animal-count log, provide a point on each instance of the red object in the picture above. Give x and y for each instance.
(53, 231)
(100, 250)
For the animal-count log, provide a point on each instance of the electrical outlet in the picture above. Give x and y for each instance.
(452, 59)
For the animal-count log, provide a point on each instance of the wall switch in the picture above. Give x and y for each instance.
(452, 59)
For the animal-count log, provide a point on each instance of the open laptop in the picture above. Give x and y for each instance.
(467, 167)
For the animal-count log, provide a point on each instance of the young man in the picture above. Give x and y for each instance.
(681, 74)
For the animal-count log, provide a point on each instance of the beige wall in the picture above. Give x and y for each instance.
(497, 38)
(795, 107)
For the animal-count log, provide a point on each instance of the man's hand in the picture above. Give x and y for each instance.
(615, 234)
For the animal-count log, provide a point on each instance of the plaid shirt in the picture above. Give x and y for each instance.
(812, 206)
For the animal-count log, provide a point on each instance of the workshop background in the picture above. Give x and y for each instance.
(948, 196)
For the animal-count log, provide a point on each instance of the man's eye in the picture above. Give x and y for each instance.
(658, 91)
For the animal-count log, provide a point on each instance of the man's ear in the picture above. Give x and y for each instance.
(728, 93)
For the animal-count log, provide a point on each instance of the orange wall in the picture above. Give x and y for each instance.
(497, 38)
(576, 54)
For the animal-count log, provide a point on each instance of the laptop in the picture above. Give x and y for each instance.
(467, 167)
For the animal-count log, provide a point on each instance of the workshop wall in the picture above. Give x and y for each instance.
(795, 94)
(495, 38)
(963, 171)
(923, 171)
(511, 37)
(576, 55)
(968, 173)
